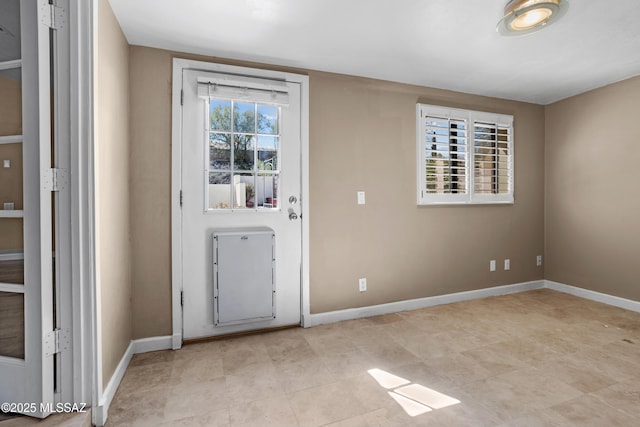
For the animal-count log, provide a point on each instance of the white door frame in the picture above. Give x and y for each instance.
(74, 217)
(81, 18)
(87, 356)
(72, 118)
(74, 130)
(75, 225)
(176, 154)
(63, 215)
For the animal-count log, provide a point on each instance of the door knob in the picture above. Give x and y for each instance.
(292, 215)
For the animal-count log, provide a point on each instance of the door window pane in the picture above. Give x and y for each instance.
(11, 176)
(220, 115)
(10, 30)
(244, 117)
(12, 271)
(240, 152)
(219, 151)
(268, 153)
(243, 152)
(12, 324)
(267, 191)
(243, 191)
(219, 190)
(268, 119)
(11, 251)
(11, 102)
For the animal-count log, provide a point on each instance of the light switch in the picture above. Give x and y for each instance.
(6, 163)
(361, 197)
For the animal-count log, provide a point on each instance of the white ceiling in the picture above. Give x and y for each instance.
(450, 44)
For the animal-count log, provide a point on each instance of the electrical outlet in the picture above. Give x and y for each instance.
(361, 197)
(539, 260)
(507, 264)
(6, 163)
(492, 265)
(8, 206)
(362, 284)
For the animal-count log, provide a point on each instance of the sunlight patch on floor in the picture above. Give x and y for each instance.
(411, 407)
(415, 399)
(427, 396)
(387, 380)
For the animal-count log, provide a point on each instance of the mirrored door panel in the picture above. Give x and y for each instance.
(12, 294)
(26, 285)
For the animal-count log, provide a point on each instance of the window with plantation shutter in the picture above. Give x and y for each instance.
(464, 156)
(492, 158)
(445, 156)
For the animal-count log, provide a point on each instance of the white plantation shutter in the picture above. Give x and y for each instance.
(445, 156)
(464, 156)
(493, 158)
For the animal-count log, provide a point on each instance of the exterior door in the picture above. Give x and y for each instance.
(26, 296)
(240, 170)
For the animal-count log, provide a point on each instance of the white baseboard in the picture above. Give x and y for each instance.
(143, 345)
(102, 411)
(594, 296)
(177, 341)
(414, 304)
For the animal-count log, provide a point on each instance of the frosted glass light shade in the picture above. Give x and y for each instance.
(527, 16)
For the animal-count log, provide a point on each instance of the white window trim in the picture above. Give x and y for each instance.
(469, 117)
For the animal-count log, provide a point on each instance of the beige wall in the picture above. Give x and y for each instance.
(592, 229)
(150, 72)
(362, 137)
(112, 190)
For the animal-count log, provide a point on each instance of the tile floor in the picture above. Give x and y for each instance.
(538, 358)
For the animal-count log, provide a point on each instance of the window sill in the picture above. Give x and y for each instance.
(466, 203)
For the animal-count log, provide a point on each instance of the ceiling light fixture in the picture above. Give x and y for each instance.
(527, 16)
